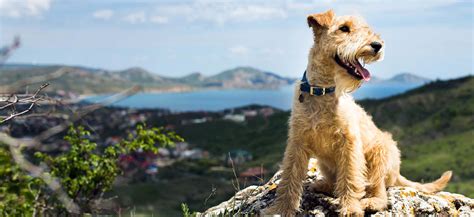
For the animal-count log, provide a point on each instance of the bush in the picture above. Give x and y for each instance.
(85, 172)
(18, 191)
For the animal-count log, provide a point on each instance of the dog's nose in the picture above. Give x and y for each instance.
(376, 46)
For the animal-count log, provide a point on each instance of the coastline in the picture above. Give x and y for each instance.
(179, 90)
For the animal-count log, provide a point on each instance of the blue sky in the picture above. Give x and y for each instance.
(431, 38)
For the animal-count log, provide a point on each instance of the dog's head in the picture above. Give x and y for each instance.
(346, 44)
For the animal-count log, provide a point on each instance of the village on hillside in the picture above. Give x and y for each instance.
(110, 125)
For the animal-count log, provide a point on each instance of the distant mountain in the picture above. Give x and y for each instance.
(409, 78)
(83, 80)
(246, 77)
(138, 75)
(402, 78)
(193, 77)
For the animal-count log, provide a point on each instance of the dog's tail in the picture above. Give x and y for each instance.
(432, 187)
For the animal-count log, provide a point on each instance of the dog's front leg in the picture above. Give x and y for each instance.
(350, 184)
(295, 166)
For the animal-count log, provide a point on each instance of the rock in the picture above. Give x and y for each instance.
(402, 201)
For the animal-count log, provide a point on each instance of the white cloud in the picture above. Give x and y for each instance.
(105, 14)
(255, 12)
(221, 12)
(159, 19)
(136, 17)
(239, 50)
(22, 8)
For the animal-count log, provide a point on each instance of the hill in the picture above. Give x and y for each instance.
(247, 77)
(83, 80)
(434, 110)
(77, 80)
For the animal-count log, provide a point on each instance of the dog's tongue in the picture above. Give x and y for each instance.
(363, 71)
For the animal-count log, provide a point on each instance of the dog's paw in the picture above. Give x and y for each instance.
(373, 204)
(351, 208)
(351, 212)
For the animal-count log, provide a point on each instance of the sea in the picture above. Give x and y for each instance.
(215, 100)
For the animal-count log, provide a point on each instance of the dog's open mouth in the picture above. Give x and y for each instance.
(355, 69)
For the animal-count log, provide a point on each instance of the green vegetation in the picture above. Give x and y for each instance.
(84, 172)
(164, 197)
(17, 189)
(185, 209)
(261, 136)
(425, 162)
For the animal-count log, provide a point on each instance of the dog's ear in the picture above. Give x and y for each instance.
(322, 19)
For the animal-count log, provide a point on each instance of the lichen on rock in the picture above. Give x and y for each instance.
(402, 201)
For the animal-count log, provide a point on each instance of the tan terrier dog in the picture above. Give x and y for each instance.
(357, 160)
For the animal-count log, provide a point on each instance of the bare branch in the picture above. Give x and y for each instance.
(31, 99)
(16, 114)
(9, 103)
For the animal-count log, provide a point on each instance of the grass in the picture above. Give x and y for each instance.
(427, 161)
(462, 186)
(164, 198)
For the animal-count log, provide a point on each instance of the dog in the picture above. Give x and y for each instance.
(357, 160)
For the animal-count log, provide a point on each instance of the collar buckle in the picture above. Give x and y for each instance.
(311, 91)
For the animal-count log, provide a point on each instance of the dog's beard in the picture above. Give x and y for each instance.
(345, 83)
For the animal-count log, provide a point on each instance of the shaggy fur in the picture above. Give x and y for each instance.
(357, 159)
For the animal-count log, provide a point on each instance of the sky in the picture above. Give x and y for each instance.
(431, 38)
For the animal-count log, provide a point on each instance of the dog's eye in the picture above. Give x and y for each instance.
(344, 28)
